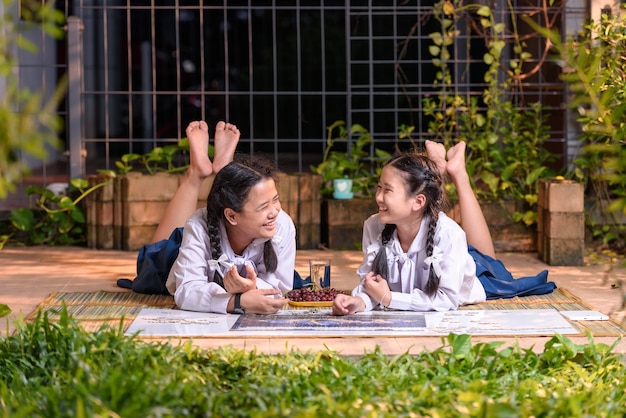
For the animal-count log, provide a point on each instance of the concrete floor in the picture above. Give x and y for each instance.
(28, 275)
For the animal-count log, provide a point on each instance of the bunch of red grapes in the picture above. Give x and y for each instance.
(306, 294)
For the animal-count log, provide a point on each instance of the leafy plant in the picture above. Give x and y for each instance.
(595, 69)
(57, 219)
(355, 162)
(56, 369)
(506, 154)
(28, 124)
(512, 167)
(169, 158)
(406, 132)
(60, 219)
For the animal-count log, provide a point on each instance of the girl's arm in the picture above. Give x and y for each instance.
(371, 245)
(189, 273)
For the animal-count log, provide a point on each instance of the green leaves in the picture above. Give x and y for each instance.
(58, 369)
(595, 70)
(55, 219)
(172, 158)
(355, 162)
(34, 128)
(506, 153)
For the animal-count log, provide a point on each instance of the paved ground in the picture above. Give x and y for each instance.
(28, 275)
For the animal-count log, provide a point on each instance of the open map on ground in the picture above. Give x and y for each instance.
(322, 320)
(315, 323)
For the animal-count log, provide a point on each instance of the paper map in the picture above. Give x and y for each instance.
(314, 323)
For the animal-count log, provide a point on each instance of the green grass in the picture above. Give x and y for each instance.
(56, 369)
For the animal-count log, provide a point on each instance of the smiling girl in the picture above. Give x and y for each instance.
(226, 258)
(417, 258)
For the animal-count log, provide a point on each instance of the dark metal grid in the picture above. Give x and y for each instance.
(340, 65)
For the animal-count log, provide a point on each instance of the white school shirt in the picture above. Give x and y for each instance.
(190, 279)
(408, 272)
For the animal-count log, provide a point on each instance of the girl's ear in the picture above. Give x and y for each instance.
(419, 201)
(231, 216)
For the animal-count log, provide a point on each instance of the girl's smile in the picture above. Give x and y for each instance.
(394, 205)
(257, 219)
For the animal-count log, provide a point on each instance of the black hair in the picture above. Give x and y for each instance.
(230, 189)
(421, 176)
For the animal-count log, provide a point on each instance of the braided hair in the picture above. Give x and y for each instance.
(230, 189)
(421, 176)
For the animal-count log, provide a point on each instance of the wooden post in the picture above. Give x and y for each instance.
(144, 198)
(300, 198)
(561, 222)
(343, 222)
(99, 208)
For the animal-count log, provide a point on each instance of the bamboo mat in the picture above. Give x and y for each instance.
(95, 309)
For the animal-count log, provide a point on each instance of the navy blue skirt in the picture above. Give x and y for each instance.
(154, 262)
(499, 282)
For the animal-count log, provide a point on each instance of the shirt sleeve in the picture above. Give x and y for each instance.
(189, 273)
(371, 245)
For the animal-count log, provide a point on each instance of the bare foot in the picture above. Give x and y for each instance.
(437, 153)
(456, 160)
(226, 139)
(200, 165)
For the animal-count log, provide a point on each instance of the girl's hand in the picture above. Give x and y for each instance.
(256, 301)
(347, 305)
(375, 286)
(234, 283)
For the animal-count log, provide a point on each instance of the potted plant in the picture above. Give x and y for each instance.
(352, 167)
(342, 188)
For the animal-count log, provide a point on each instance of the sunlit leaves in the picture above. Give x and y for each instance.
(57, 369)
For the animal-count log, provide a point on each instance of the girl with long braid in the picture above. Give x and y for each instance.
(417, 258)
(225, 259)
